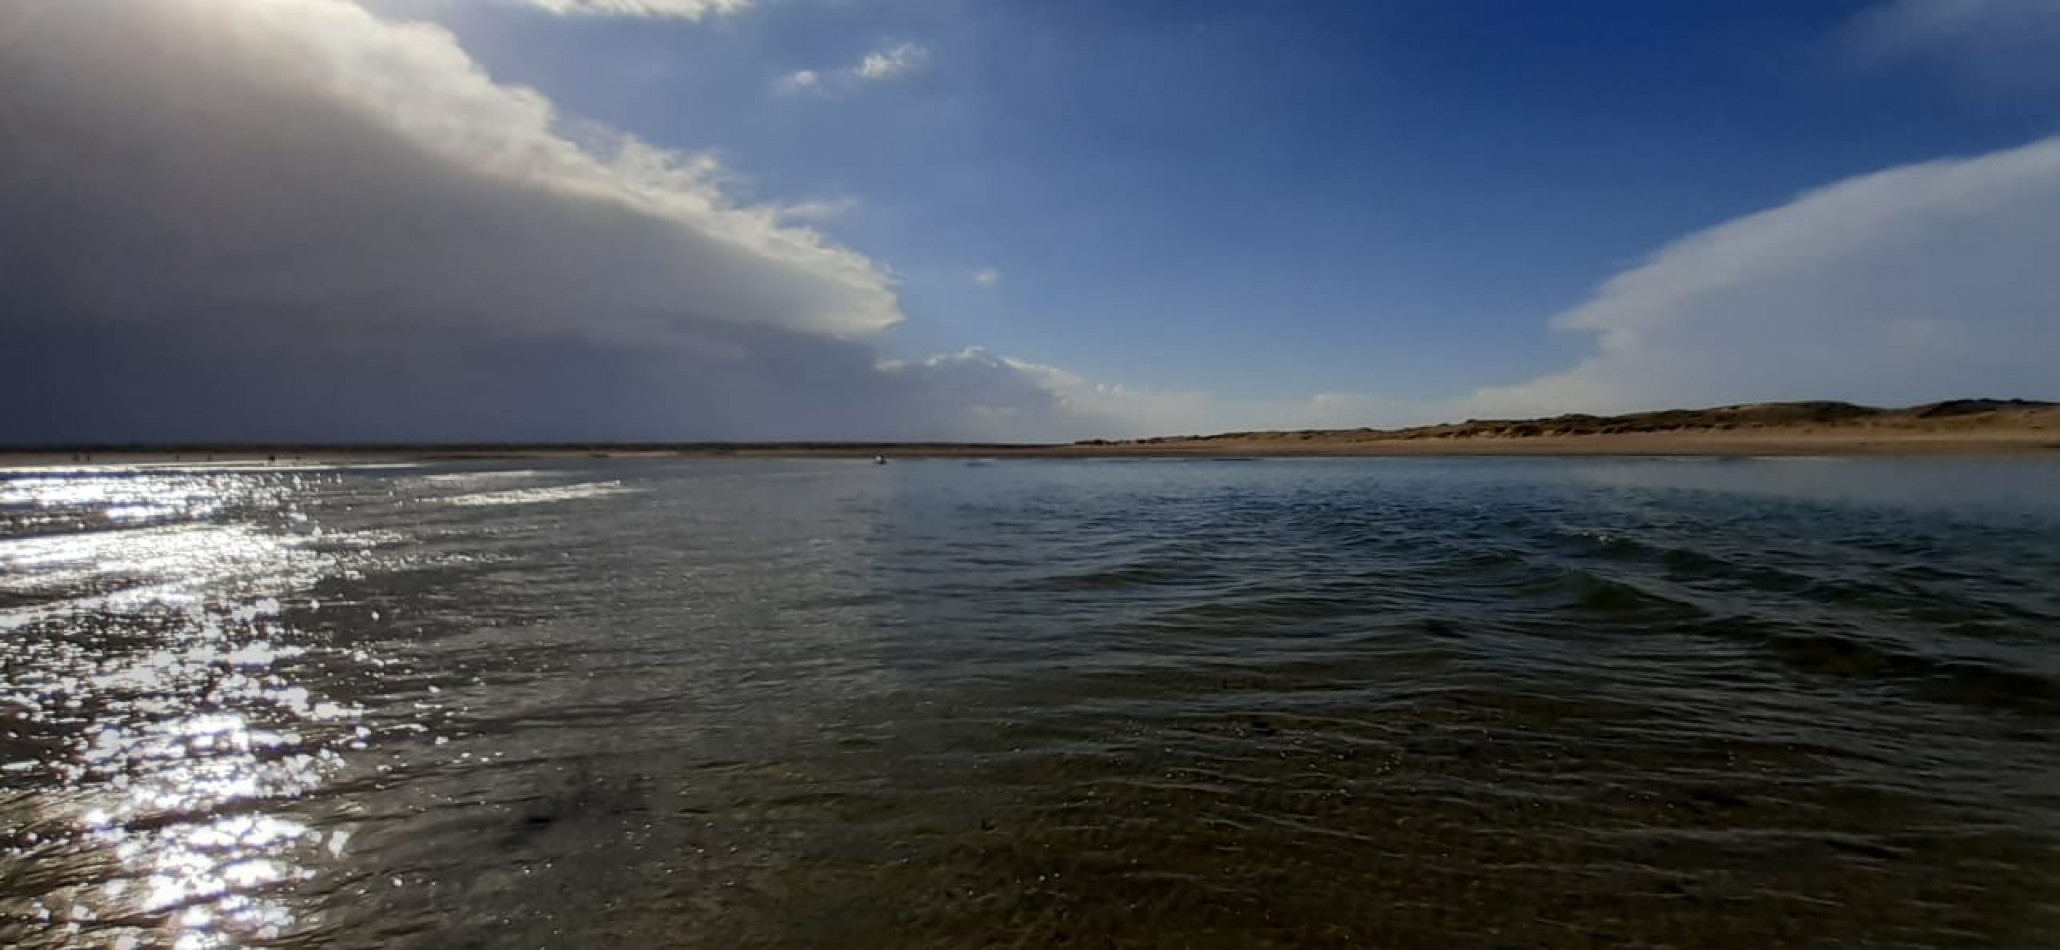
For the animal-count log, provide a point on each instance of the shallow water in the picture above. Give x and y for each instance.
(1389, 702)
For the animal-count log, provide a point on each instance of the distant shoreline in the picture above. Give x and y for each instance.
(1967, 427)
(1711, 444)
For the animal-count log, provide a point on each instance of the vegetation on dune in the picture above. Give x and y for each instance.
(1807, 416)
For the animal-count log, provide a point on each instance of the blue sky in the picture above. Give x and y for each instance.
(1214, 214)
(1259, 199)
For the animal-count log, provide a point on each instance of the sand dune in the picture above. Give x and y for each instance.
(1963, 426)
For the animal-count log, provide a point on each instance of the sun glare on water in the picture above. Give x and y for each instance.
(171, 717)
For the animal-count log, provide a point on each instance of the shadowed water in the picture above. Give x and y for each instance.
(1390, 703)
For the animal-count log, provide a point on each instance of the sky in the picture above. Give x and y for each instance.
(647, 220)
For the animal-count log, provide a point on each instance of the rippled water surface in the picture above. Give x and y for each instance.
(1386, 703)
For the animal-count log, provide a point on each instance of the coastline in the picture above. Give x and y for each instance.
(1858, 441)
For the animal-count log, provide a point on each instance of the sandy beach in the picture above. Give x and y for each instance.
(1691, 442)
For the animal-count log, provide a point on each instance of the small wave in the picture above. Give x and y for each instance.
(1977, 682)
(1120, 577)
(1595, 594)
(493, 477)
(1615, 597)
(1243, 613)
(541, 496)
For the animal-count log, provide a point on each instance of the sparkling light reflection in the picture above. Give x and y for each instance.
(159, 726)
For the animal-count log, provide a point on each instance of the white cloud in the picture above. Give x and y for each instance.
(268, 121)
(1003, 399)
(253, 219)
(683, 9)
(1918, 283)
(289, 219)
(887, 64)
(1116, 411)
(1012, 399)
(1998, 44)
(819, 211)
(890, 63)
(987, 277)
(804, 81)
(1922, 282)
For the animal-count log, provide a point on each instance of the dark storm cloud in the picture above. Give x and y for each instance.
(287, 219)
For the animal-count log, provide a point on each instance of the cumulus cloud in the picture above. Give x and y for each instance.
(987, 277)
(683, 9)
(273, 219)
(292, 150)
(892, 62)
(1922, 282)
(996, 398)
(1014, 399)
(801, 82)
(1918, 283)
